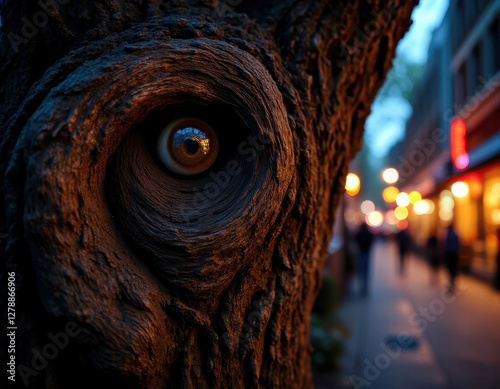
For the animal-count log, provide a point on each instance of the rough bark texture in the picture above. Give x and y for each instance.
(204, 282)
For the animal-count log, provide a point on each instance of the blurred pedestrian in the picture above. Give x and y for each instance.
(433, 255)
(452, 249)
(403, 240)
(497, 278)
(364, 239)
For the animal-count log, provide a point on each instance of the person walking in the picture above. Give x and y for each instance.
(403, 240)
(452, 248)
(364, 239)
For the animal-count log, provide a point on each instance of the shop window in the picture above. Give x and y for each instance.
(491, 203)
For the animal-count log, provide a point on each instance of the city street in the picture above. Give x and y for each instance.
(456, 337)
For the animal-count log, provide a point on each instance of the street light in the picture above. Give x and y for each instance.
(352, 184)
(389, 194)
(402, 199)
(390, 175)
(401, 213)
(375, 219)
(460, 189)
(423, 207)
(415, 197)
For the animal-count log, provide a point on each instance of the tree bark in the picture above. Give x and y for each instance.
(170, 281)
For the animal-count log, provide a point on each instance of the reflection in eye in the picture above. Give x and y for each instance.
(187, 146)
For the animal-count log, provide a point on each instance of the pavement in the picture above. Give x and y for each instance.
(412, 331)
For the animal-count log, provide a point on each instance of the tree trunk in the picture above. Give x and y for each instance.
(131, 275)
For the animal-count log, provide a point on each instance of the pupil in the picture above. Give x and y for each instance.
(191, 146)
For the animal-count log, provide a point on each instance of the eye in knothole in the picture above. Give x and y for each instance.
(187, 146)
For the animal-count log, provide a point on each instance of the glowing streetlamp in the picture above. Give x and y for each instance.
(352, 184)
(390, 175)
(402, 199)
(423, 207)
(389, 194)
(401, 213)
(460, 189)
(375, 219)
(415, 197)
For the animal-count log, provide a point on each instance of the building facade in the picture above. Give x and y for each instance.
(453, 135)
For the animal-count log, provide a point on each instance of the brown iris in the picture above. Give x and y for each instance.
(188, 146)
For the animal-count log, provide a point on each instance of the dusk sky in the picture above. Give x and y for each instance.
(385, 126)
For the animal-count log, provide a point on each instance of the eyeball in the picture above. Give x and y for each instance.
(187, 146)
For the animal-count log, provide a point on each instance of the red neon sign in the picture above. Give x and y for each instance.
(459, 154)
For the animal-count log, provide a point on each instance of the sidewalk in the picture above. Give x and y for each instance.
(457, 336)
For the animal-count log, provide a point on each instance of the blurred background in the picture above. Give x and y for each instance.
(410, 295)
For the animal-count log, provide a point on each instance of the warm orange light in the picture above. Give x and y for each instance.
(414, 197)
(475, 188)
(496, 216)
(352, 184)
(374, 219)
(389, 194)
(352, 181)
(390, 175)
(401, 213)
(353, 192)
(402, 199)
(492, 240)
(460, 189)
(423, 207)
(495, 189)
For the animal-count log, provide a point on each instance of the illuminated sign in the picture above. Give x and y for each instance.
(459, 154)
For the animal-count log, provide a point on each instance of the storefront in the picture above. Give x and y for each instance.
(474, 211)
(469, 201)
